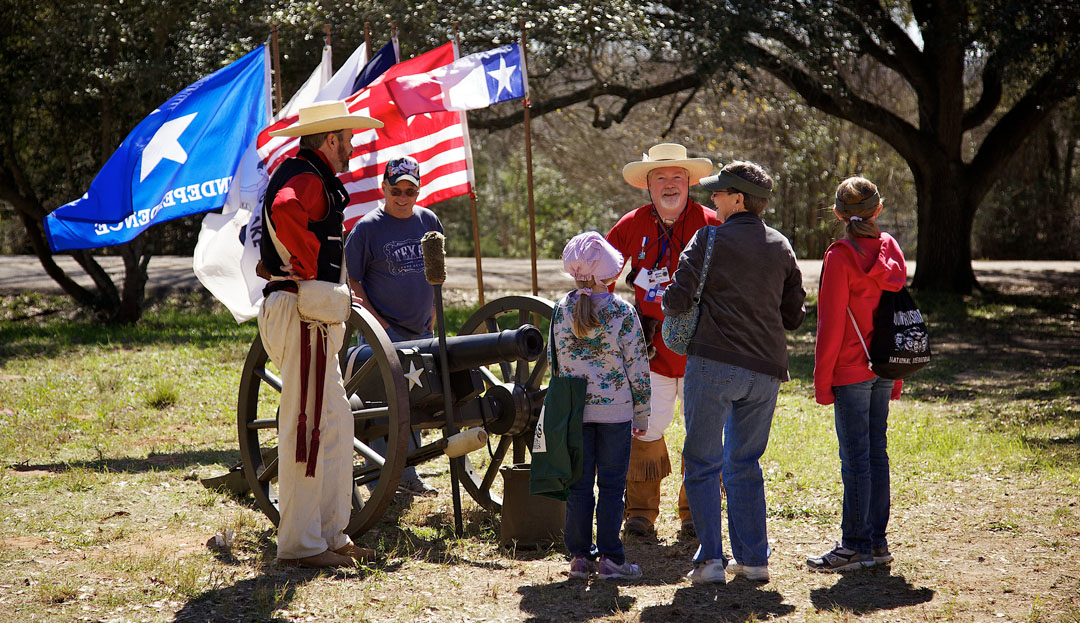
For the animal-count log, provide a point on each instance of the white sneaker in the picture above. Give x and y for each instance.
(757, 574)
(708, 572)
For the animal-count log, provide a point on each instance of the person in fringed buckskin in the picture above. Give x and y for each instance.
(303, 216)
(651, 238)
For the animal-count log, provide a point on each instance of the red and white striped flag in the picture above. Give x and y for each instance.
(438, 141)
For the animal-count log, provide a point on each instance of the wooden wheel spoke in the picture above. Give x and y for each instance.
(269, 472)
(496, 462)
(371, 366)
(489, 376)
(370, 413)
(269, 378)
(537, 374)
(368, 453)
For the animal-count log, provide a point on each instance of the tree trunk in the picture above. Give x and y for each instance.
(943, 258)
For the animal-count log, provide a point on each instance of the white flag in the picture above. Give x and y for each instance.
(228, 247)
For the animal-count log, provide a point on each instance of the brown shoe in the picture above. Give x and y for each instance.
(357, 553)
(325, 560)
(638, 526)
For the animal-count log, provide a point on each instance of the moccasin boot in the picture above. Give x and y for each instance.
(325, 560)
(357, 553)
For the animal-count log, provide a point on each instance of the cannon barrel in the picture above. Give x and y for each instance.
(465, 352)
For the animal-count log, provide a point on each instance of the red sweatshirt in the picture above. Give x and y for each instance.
(849, 279)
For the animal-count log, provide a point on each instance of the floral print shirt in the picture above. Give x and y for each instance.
(611, 358)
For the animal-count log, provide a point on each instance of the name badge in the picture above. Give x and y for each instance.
(661, 275)
(643, 279)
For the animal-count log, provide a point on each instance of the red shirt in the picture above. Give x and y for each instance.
(641, 230)
(300, 200)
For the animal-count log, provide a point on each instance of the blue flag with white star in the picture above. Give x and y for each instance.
(179, 160)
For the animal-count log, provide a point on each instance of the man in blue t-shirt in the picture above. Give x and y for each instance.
(386, 269)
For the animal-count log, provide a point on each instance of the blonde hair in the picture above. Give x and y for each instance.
(854, 190)
(585, 318)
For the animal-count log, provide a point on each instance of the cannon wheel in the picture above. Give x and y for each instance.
(509, 312)
(258, 427)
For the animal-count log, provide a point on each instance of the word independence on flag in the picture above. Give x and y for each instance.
(228, 249)
(178, 161)
(476, 81)
(436, 140)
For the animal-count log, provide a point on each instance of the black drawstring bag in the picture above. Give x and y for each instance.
(900, 343)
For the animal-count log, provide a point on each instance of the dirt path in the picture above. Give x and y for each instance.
(23, 273)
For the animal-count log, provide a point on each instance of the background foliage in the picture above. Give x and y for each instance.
(609, 78)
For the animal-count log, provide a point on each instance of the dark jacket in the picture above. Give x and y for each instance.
(753, 292)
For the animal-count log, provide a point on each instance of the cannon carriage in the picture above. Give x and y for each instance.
(497, 382)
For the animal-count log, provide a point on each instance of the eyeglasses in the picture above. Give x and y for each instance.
(726, 191)
(408, 192)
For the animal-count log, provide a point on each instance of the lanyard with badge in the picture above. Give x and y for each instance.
(656, 280)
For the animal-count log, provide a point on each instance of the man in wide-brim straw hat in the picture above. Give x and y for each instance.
(303, 233)
(651, 238)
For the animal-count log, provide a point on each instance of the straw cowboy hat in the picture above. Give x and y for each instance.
(327, 117)
(665, 155)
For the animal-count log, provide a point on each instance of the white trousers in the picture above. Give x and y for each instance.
(665, 390)
(314, 510)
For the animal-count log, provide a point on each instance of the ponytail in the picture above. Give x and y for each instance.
(585, 318)
(857, 202)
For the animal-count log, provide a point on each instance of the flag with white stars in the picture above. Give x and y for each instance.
(475, 81)
(179, 160)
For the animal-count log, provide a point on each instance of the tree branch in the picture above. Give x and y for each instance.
(678, 111)
(631, 96)
(989, 99)
(1041, 99)
(905, 138)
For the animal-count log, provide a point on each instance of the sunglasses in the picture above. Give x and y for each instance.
(408, 192)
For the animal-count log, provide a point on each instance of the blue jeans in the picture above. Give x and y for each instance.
(606, 457)
(862, 411)
(729, 412)
(379, 443)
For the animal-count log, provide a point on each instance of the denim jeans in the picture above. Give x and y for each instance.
(862, 411)
(379, 443)
(729, 412)
(606, 457)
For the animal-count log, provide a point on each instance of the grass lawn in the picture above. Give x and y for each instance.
(105, 432)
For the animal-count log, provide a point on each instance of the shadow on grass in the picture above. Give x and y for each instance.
(255, 599)
(131, 465)
(574, 600)
(869, 591)
(737, 601)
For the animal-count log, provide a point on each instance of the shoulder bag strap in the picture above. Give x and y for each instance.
(859, 334)
(551, 345)
(708, 260)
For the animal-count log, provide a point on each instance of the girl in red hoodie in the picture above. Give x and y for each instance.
(855, 270)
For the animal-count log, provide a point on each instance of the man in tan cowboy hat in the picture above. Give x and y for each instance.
(303, 240)
(651, 238)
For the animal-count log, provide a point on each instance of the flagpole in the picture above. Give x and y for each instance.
(326, 34)
(367, 39)
(472, 189)
(277, 67)
(529, 169)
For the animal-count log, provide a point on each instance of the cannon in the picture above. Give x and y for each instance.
(497, 381)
